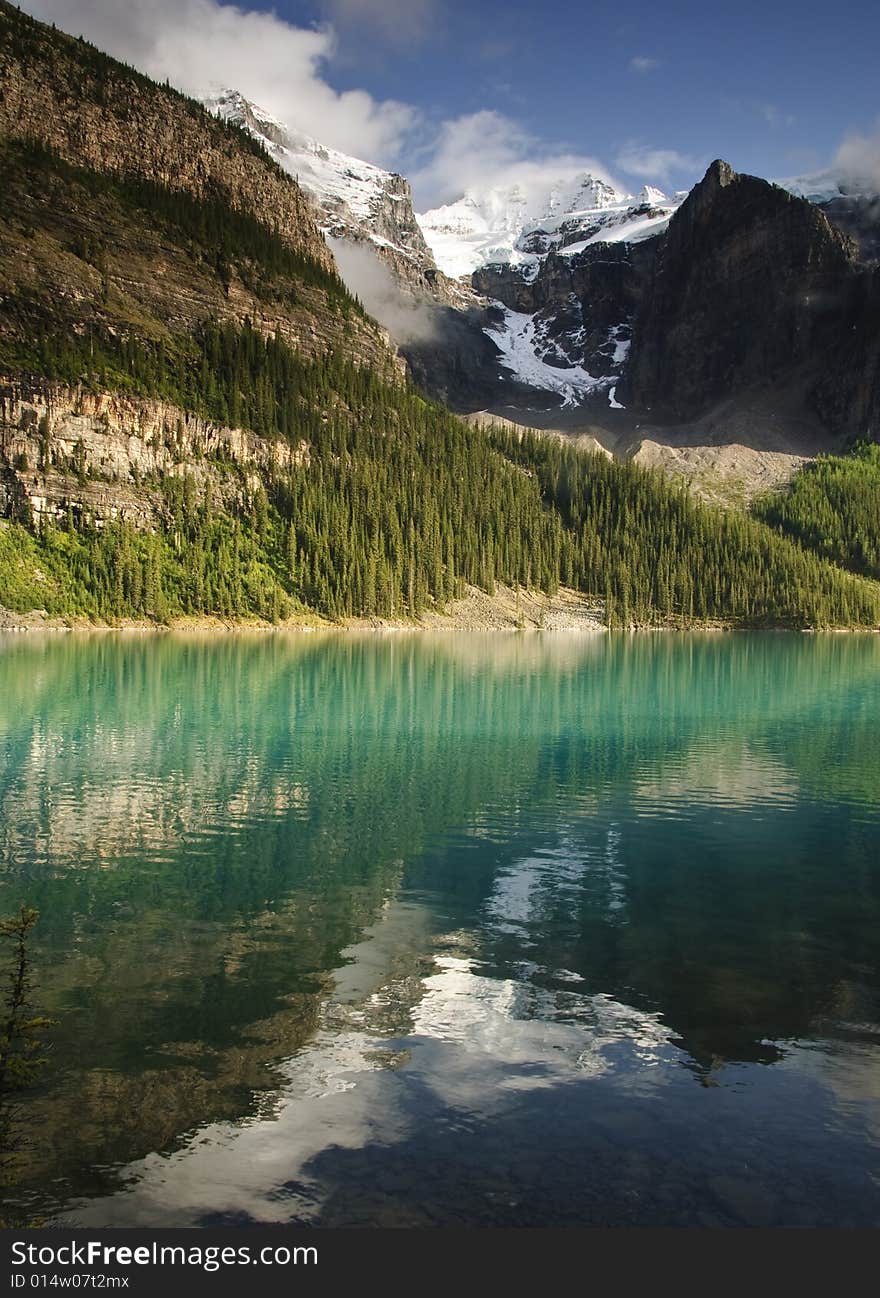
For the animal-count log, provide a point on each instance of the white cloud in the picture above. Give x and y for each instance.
(198, 44)
(654, 164)
(405, 318)
(487, 150)
(642, 63)
(202, 44)
(858, 158)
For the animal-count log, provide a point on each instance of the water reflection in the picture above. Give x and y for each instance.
(447, 928)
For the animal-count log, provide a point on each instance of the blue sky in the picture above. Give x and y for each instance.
(451, 91)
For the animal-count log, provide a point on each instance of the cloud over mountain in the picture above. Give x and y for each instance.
(200, 43)
(489, 150)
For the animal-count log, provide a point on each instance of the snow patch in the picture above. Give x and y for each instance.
(518, 339)
(823, 186)
(819, 187)
(629, 230)
(621, 344)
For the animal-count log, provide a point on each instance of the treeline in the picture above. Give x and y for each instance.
(833, 508)
(232, 375)
(391, 504)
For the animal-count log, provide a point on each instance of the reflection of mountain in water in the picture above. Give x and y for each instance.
(604, 846)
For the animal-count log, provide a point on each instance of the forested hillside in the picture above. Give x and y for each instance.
(658, 553)
(833, 509)
(196, 417)
(392, 505)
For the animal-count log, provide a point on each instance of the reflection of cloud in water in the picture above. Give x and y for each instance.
(518, 1022)
(379, 1032)
(528, 891)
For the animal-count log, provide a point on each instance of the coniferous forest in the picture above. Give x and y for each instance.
(833, 508)
(394, 505)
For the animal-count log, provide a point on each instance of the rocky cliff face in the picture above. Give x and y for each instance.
(104, 454)
(857, 215)
(583, 304)
(845, 386)
(744, 285)
(752, 287)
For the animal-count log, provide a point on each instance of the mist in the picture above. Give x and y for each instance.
(858, 158)
(367, 276)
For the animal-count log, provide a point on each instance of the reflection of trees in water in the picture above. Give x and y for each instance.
(206, 825)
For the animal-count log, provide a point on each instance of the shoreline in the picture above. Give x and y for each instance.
(506, 611)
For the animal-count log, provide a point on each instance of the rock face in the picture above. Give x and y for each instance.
(104, 454)
(583, 304)
(75, 260)
(845, 388)
(752, 287)
(858, 215)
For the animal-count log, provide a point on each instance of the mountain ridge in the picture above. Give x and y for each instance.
(754, 286)
(62, 93)
(355, 200)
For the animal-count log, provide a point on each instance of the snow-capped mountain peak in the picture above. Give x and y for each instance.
(356, 200)
(518, 226)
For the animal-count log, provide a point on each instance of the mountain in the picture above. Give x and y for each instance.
(356, 201)
(366, 215)
(755, 290)
(517, 227)
(198, 418)
(605, 302)
(556, 261)
(521, 296)
(514, 292)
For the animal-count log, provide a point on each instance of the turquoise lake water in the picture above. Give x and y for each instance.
(526, 929)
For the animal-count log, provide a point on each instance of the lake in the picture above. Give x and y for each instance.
(403, 929)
